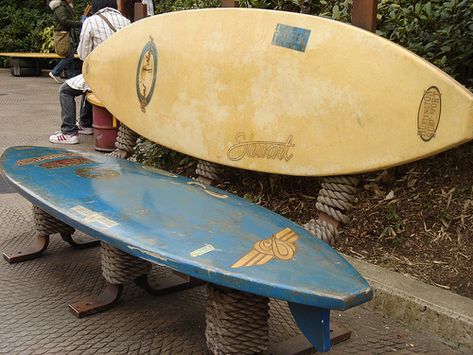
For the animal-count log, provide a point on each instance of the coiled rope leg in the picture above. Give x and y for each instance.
(334, 201)
(118, 267)
(45, 225)
(237, 322)
(125, 143)
(208, 172)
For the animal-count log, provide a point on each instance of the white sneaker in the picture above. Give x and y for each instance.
(84, 130)
(61, 138)
(57, 79)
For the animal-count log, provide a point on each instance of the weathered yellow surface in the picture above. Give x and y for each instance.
(224, 92)
(31, 55)
(93, 99)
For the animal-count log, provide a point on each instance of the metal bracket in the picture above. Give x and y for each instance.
(299, 345)
(68, 239)
(173, 283)
(109, 297)
(32, 251)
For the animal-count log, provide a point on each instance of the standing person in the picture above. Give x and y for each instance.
(62, 14)
(95, 30)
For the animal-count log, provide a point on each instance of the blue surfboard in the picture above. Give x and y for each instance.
(198, 230)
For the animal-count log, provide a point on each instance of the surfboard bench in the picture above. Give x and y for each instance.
(244, 252)
(28, 63)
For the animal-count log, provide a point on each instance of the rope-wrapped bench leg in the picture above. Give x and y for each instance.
(125, 143)
(237, 322)
(118, 268)
(45, 225)
(208, 172)
(334, 201)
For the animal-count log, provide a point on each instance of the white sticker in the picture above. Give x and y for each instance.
(204, 250)
(82, 211)
(92, 216)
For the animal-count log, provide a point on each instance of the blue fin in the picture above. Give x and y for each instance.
(314, 322)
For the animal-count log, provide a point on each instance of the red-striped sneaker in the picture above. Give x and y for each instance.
(61, 138)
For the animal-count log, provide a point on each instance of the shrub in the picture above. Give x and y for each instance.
(438, 30)
(24, 26)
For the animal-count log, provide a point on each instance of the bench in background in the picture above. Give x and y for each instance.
(28, 64)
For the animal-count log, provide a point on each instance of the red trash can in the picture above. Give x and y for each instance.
(104, 124)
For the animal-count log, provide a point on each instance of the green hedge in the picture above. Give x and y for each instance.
(24, 25)
(438, 30)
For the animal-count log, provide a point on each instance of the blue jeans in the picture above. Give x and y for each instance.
(66, 63)
(67, 100)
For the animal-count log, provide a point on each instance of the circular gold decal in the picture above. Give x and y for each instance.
(146, 73)
(428, 117)
(96, 173)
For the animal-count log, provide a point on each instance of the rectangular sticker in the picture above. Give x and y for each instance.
(204, 250)
(291, 37)
(92, 216)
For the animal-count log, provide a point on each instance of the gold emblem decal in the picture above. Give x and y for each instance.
(95, 173)
(42, 158)
(281, 245)
(64, 163)
(428, 117)
(259, 149)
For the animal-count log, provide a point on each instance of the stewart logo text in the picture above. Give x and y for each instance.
(259, 149)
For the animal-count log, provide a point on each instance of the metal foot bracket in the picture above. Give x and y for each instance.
(68, 239)
(95, 304)
(174, 283)
(32, 251)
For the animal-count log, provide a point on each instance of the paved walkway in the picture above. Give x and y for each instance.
(34, 294)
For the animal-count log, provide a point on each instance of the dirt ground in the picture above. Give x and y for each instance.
(415, 219)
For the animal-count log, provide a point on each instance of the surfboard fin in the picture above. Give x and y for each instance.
(314, 322)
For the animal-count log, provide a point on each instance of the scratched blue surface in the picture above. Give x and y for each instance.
(164, 219)
(291, 37)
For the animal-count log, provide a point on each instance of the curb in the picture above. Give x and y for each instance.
(421, 306)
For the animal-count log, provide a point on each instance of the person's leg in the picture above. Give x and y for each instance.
(59, 67)
(70, 69)
(68, 134)
(67, 100)
(65, 63)
(85, 118)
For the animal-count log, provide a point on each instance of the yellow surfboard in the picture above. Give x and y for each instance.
(278, 92)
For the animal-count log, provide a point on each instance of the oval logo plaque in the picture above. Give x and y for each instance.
(428, 117)
(146, 73)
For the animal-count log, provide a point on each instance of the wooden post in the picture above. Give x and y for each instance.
(230, 3)
(140, 10)
(363, 14)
